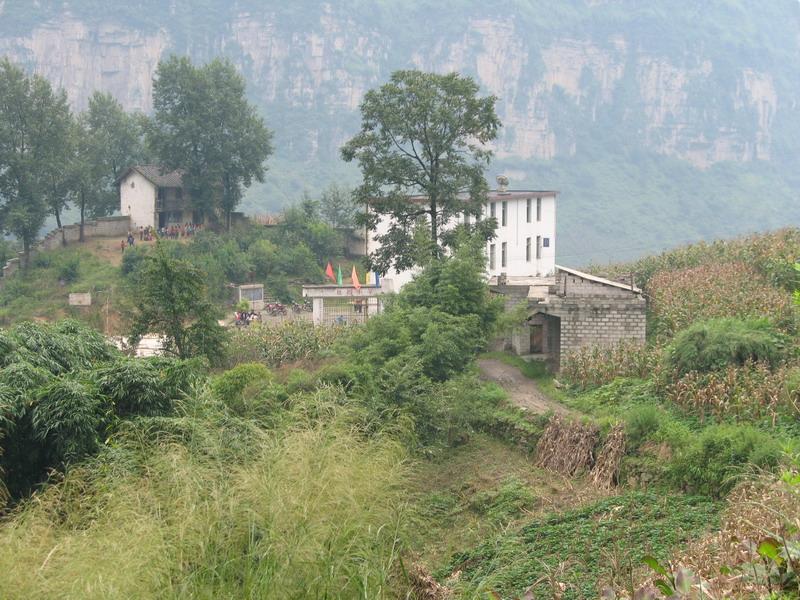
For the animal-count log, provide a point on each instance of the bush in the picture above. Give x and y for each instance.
(134, 387)
(69, 269)
(713, 345)
(641, 423)
(248, 389)
(67, 418)
(713, 460)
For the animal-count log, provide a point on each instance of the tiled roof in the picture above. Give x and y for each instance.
(154, 174)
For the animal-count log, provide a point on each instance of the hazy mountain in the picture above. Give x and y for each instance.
(660, 122)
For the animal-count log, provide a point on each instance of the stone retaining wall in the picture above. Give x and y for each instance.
(103, 227)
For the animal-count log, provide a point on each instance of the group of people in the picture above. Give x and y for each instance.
(172, 232)
(244, 317)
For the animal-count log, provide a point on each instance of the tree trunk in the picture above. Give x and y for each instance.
(26, 252)
(81, 238)
(60, 227)
(434, 212)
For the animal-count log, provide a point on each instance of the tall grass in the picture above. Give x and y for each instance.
(313, 510)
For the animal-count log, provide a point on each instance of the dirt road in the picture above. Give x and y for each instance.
(521, 391)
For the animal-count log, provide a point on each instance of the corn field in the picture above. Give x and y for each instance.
(285, 342)
(598, 365)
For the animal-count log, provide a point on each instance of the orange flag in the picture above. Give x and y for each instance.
(329, 272)
(354, 277)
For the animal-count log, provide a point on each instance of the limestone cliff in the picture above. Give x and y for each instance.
(325, 68)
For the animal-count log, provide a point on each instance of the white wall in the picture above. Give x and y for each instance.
(514, 234)
(137, 199)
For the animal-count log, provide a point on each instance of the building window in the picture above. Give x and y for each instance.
(538, 209)
(133, 184)
(503, 255)
(491, 256)
(492, 210)
(528, 210)
(505, 213)
(546, 243)
(528, 249)
(538, 247)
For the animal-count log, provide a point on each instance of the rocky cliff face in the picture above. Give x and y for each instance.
(550, 93)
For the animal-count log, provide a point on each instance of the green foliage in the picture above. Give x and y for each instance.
(504, 503)
(284, 342)
(204, 125)
(134, 387)
(205, 505)
(248, 389)
(171, 299)
(421, 134)
(66, 419)
(713, 460)
(34, 134)
(715, 344)
(581, 538)
(68, 270)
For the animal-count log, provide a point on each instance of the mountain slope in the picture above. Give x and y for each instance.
(660, 123)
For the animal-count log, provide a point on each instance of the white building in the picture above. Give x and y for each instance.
(524, 245)
(153, 198)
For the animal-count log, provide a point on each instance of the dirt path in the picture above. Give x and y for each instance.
(521, 391)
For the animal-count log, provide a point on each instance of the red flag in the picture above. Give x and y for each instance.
(329, 272)
(354, 277)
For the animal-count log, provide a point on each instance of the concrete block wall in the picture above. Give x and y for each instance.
(602, 322)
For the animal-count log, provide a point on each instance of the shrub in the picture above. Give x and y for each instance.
(641, 423)
(134, 387)
(67, 417)
(713, 460)
(69, 269)
(713, 345)
(248, 389)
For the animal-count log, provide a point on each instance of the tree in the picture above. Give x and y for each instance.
(204, 125)
(34, 133)
(171, 300)
(337, 206)
(106, 140)
(421, 134)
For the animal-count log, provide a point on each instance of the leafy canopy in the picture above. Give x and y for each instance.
(422, 134)
(34, 137)
(203, 124)
(172, 300)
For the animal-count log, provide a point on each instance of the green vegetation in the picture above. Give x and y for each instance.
(422, 134)
(577, 547)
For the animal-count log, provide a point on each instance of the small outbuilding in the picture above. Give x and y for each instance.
(334, 304)
(570, 311)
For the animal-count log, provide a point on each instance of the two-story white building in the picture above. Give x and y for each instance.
(525, 242)
(154, 198)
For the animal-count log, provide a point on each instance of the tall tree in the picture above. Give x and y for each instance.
(106, 141)
(204, 125)
(171, 299)
(34, 132)
(337, 206)
(421, 134)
